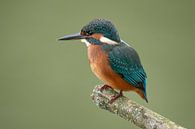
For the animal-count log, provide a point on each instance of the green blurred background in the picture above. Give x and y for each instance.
(45, 84)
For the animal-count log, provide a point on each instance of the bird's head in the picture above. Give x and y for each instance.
(97, 32)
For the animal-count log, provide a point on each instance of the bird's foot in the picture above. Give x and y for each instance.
(105, 87)
(113, 97)
(116, 97)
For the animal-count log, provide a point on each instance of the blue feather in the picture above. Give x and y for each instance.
(125, 61)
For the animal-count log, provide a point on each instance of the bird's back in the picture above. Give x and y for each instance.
(125, 61)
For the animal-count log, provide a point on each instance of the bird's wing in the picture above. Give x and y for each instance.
(125, 61)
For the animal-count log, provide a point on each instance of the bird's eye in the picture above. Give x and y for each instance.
(85, 33)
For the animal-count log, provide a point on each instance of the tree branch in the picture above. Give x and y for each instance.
(131, 111)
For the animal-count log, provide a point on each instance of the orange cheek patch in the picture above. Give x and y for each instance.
(96, 36)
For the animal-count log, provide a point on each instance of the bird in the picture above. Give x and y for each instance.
(112, 60)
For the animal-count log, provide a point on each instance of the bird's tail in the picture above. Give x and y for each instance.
(145, 98)
(144, 90)
(141, 90)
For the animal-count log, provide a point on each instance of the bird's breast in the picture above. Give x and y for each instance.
(98, 60)
(100, 66)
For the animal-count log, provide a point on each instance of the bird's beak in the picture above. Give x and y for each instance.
(73, 37)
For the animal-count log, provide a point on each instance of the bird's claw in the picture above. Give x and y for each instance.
(113, 98)
(116, 97)
(105, 87)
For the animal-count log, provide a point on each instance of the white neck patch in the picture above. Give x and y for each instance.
(86, 42)
(102, 39)
(107, 40)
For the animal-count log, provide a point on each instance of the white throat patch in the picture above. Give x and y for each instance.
(85, 41)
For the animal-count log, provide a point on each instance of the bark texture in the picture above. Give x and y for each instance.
(131, 111)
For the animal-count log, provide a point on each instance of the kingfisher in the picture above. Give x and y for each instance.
(111, 59)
